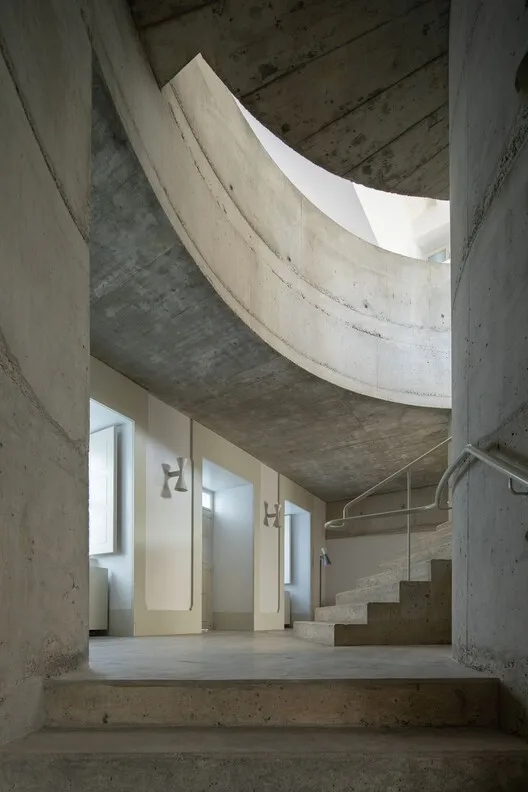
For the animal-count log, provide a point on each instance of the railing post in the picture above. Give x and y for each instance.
(409, 525)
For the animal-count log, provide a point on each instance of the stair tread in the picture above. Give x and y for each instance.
(251, 741)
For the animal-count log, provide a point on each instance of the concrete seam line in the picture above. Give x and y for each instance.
(516, 143)
(84, 232)
(10, 365)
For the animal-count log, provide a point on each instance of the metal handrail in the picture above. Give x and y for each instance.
(514, 472)
(398, 473)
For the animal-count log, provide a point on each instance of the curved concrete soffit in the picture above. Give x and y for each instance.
(347, 311)
(359, 316)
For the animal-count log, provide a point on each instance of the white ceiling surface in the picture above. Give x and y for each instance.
(216, 478)
(101, 417)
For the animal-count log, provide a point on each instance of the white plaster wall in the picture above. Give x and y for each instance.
(334, 196)
(168, 560)
(324, 298)
(233, 559)
(389, 218)
(121, 563)
(356, 557)
(290, 492)
(358, 550)
(207, 569)
(169, 536)
(209, 447)
(45, 75)
(489, 224)
(270, 556)
(406, 225)
(126, 398)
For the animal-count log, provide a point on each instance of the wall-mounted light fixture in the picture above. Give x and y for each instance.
(181, 484)
(324, 561)
(272, 515)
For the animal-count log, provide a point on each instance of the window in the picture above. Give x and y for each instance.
(439, 256)
(207, 500)
(287, 550)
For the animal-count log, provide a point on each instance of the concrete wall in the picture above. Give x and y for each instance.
(297, 274)
(489, 225)
(233, 559)
(120, 564)
(45, 94)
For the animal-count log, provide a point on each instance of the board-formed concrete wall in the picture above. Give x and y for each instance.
(489, 226)
(45, 96)
(355, 315)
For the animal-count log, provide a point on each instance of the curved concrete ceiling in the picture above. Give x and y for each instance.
(360, 88)
(344, 309)
(156, 319)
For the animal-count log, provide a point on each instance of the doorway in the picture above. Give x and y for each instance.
(297, 564)
(227, 549)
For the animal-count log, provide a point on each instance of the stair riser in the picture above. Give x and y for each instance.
(434, 771)
(342, 613)
(290, 703)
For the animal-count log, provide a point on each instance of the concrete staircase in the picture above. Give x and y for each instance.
(363, 734)
(386, 609)
(353, 735)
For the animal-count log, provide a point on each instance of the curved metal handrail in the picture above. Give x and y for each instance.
(398, 473)
(496, 460)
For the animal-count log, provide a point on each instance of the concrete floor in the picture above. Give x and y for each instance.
(262, 656)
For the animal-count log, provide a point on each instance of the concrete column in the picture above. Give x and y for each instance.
(489, 226)
(45, 96)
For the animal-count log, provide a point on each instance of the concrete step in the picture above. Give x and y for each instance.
(289, 760)
(378, 703)
(420, 614)
(354, 608)
(387, 631)
(342, 613)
